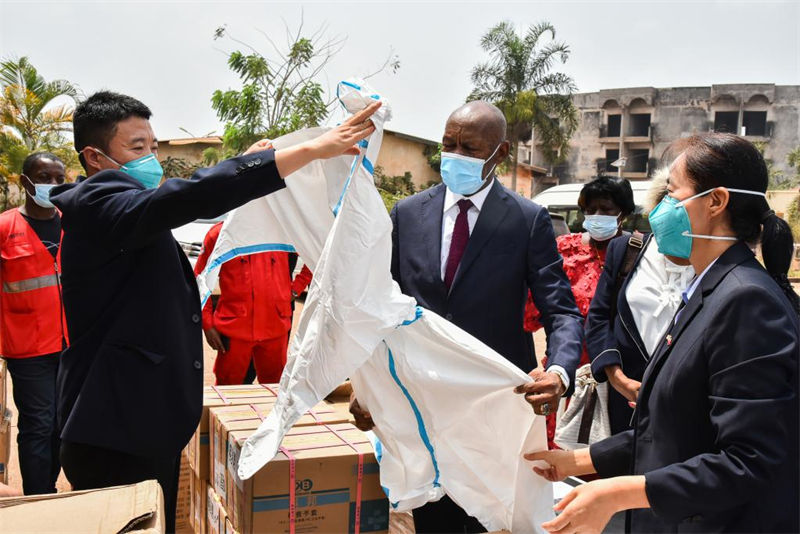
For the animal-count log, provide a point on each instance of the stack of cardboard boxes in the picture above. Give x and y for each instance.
(324, 479)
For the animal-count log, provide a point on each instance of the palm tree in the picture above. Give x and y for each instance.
(29, 118)
(518, 79)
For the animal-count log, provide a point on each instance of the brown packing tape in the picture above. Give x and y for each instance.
(198, 447)
(326, 483)
(135, 508)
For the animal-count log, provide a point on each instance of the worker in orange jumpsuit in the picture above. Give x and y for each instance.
(32, 331)
(253, 316)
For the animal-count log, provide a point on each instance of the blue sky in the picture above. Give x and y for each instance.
(164, 54)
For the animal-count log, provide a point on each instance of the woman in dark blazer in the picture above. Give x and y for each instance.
(626, 320)
(714, 443)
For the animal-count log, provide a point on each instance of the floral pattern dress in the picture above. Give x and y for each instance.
(583, 264)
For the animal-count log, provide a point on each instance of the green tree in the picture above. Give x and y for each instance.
(519, 79)
(30, 120)
(280, 92)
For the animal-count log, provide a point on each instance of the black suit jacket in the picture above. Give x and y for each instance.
(512, 248)
(132, 377)
(616, 340)
(716, 427)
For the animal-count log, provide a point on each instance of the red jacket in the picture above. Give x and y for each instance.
(255, 293)
(31, 313)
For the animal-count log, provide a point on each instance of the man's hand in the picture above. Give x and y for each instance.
(258, 146)
(342, 139)
(363, 418)
(214, 339)
(544, 393)
(336, 142)
(627, 387)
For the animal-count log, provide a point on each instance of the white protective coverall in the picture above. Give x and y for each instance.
(443, 404)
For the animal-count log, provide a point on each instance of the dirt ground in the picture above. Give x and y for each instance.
(401, 523)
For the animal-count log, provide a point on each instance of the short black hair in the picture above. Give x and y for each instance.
(617, 190)
(95, 119)
(32, 159)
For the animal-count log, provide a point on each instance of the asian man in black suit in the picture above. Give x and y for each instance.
(130, 383)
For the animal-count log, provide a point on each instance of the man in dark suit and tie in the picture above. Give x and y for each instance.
(469, 249)
(130, 383)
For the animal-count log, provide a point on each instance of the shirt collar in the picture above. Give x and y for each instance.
(693, 286)
(451, 199)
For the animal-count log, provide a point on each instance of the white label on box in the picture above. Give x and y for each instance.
(219, 479)
(233, 462)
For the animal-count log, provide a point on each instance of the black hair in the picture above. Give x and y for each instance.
(94, 122)
(33, 159)
(727, 160)
(617, 190)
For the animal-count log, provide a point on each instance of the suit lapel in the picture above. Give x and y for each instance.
(493, 212)
(732, 257)
(624, 308)
(431, 215)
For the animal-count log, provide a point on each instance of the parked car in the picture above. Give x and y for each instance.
(190, 236)
(559, 224)
(562, 203)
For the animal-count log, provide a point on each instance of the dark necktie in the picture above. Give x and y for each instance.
(459, 241)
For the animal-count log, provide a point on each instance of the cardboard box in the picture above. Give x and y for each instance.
(248, 417)
(198, 447)
(5, 445)
(199, 491)
(316, 480)
(3, 386)
(216, 516)
(137, 508)
(184, 501)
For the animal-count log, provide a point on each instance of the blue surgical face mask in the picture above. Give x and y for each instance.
(601, 227)
(147, 170)
(672, 228)
(463, 175)
(42, 193)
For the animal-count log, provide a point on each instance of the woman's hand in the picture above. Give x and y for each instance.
(626, 387)
(589, 507)
(562, 464)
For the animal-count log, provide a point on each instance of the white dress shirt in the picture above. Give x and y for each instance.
(451, 211)
(450, 214)
(654, 294)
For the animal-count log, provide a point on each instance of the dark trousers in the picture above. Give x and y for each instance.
(34, 381)
(444, 516)
(89, 467)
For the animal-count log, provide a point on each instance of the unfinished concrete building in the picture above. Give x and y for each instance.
(636, 124)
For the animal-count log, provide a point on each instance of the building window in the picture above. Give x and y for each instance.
(754, 123)
(637, 160)
(640, 125)
(612, 155)
(614, 125)
(726, 121)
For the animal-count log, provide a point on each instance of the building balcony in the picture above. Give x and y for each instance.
(636, 137)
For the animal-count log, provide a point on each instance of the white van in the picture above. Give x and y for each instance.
(563, 200)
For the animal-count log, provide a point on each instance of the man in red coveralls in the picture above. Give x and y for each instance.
(253, 317)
